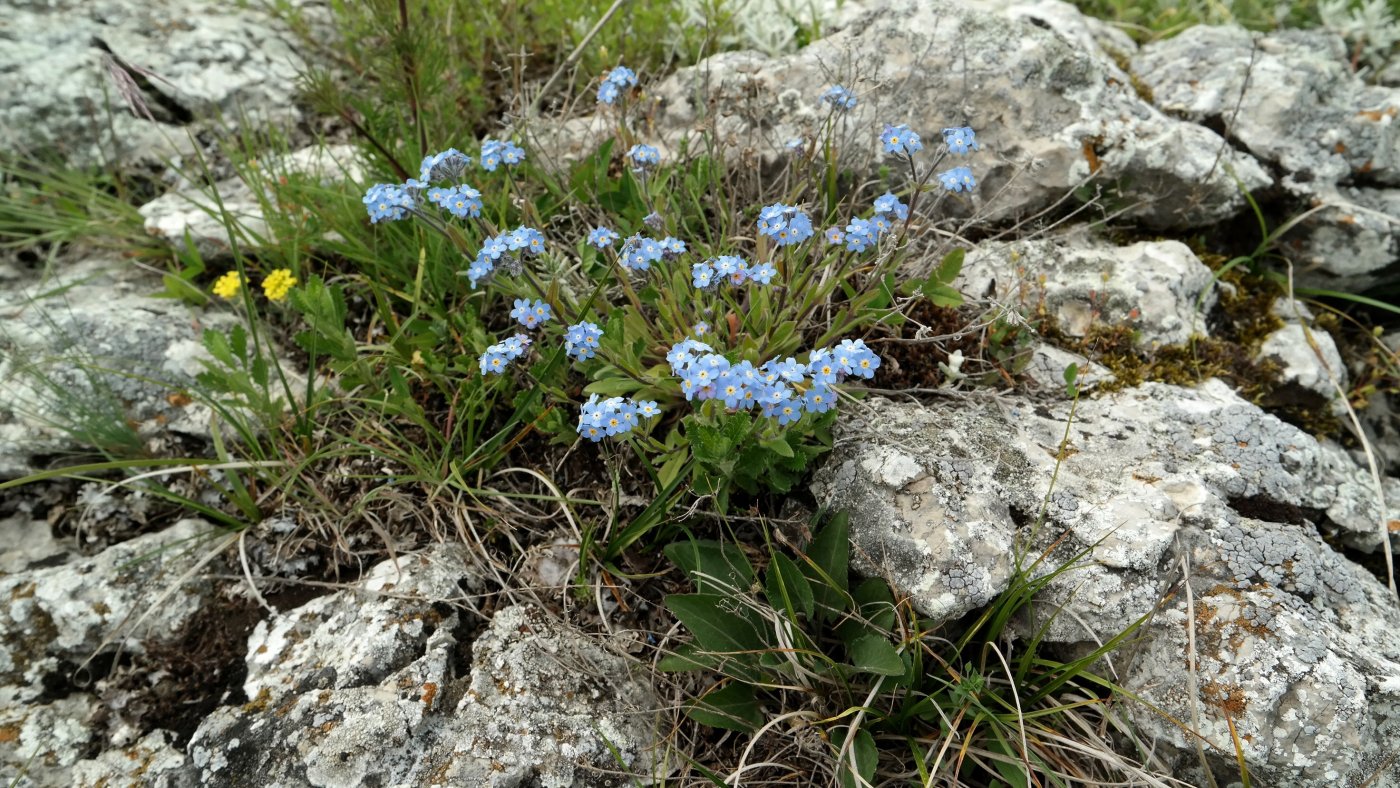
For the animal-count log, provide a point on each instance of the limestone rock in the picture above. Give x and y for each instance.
(210, 60)
(1296, 643)
(89, 359)
(393, 612)
(543, 705)
(1049, 109)
(197, 213)
(1153, 286)
(153, 761)
(26, 542)
(1291, 100)
(1308, 356)
(1294, 646)
(58, 617)
(40, 743)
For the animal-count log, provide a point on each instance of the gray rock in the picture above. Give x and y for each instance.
(930, 513)
(1308, 356)
(89, 359)
(543, 705)
(1294, 646)
(944, 500)
(153, 761)
(25, 542)
(57, 618)
(1039, 99)
(214, 61)
(1291, 100)
(40, 743)
(393, 612)
(1047, 365)
(197, 212)
(1153, 285)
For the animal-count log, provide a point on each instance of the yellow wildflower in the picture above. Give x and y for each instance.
(278, 284)
(227, 285)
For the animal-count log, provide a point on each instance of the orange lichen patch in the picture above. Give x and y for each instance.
(1346, 219)
(1340, 147)
(429, 692)
(1092, 156)
(178, 399)
(1378, 115)
(1393, 526)
(259, 703)
(1205, 614)
(1229, 698)
(9, 733)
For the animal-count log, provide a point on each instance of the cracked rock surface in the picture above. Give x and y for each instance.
(541, 704)
(941, 496)
(1290, 99)
(89, 352)
(1152, 286)
(1024, 75)
(212, 59)
(194, 212)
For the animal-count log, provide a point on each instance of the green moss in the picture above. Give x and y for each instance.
(1245, 320)
(1125, 63)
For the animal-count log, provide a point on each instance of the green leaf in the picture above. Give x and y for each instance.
(951, 266)
(875, 654)
(712, 566)
(238, 340)
(944, 296)
(725, 629)
(688, 657)
(719, 624)
(864, 756)
(778, 446)
(708, 444)
(787, 589)
(937, 287)
(732, 707)
(1072, 381)
(258, 370)
(217, 345)
(672, 469)
(830, 554)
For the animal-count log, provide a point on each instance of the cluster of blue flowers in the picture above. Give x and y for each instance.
(861, 234)
(960, 141)
(388, 202)
(531, 314)
(782, 388)
(644, 157)
(899, 139)
(494, 153)
(784, 224)
(639, 252)
(448, 165)
(732, 267)
(581, 340)
(839, 98)
(503, 249)
(461, 201)
(612, 416)
(602, 237)
(498, 356)
(394, 201)
(617, 80)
